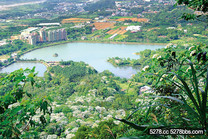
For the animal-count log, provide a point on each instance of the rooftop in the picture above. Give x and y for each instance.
(49, 24)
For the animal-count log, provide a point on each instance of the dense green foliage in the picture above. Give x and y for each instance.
(73, 84)
(16, 45)
(102, 4)
(67, 86)
(116, 61)
(178, 76)
(73, 71)
(18, 106)
(196, 5)
(86, 103)
(106, 129)
(144, 55)
(10, 31)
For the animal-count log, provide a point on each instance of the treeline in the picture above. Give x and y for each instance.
(76, 33)
(162, 35)
(75, 85)
(100, 5)
(73, 71)
(73, 80)
(116, 61)
(10, 31)
(16, 45)
(144, 57)
(168, 16)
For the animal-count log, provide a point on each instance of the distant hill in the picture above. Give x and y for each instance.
(102, 4)
(5, 2)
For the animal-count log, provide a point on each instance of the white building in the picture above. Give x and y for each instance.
(113, 36)
(26, 33)
(171, 28)
(118, 3)
(49, 24)
(3, 43)
(133, 28)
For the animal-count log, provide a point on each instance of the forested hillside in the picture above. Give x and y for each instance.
(167, 98)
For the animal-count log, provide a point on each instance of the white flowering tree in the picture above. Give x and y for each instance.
(179, 77)
(18, 107)
(185, 74)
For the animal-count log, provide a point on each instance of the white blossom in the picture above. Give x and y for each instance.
(164, 76)
(159, 57)
(157, 107)
(155, 56)
(94, 125)
(192, 52)
(145, 68)
(69, 136)
(168, 45)
(186, 45)
(188, 69)
(201, 82)
(190, 48)
(174, 78)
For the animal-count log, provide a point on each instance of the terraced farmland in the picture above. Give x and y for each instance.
(134, 19)
(75, 20)
(103, 25)
(120, 31)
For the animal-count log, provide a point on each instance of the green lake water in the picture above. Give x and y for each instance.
(94, 54)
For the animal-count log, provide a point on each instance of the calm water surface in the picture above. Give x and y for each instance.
(94, 54)
(40, 68)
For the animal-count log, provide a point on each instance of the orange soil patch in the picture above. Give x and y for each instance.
(134, 19)
(103, 25)
(3, 27)
(75, 20)
(120, 30)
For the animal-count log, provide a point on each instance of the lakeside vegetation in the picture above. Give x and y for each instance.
(93, 97)
(116, 61)
(144, 55)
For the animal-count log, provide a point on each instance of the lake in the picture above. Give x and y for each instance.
(40, 68)
(94, 54)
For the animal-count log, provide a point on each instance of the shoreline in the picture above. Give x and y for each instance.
(26, 61)
(85, 41)
(82, 41)
(112, 42)
(48, 45)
